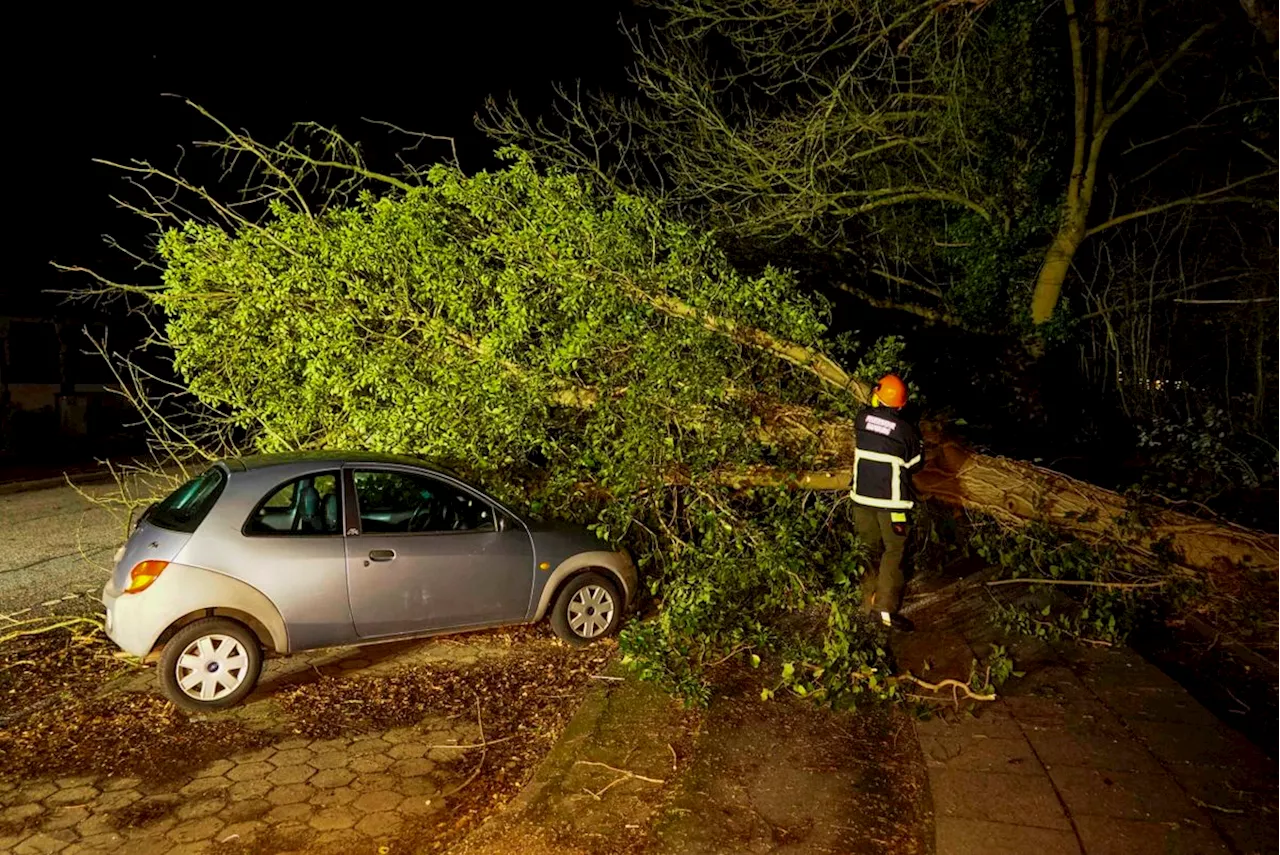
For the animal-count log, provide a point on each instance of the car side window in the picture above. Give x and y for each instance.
(306, 506)
(407, 503)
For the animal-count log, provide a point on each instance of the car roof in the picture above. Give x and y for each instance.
(265, 461)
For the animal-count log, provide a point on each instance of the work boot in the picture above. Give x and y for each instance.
(893, 620)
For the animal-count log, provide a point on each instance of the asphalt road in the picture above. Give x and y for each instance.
(54, 543)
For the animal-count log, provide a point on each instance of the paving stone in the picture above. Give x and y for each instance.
(250, 770)
(980, 754)
(400, 735)
(45, 843)
(240, 833)
(254, 789)
(419, 805)
(37, 792)
(111, 785)
(1175, 742)
(370, 764)
(329, 760)
(290, 794)
(332, 778)
(379, 800)
(321, 746)
(201, 786)
(1248, 832)
(1122, 795)
(65, 817)
(382, 824)
(1139, 704)
(957, 836)
(149, 844)
(1060, 747)
(332, 818)
(407, 751)
(373, 783)
(199, 808)
(76, 781)
(195, 847)
(103, 841)
(1109, 836)
(215, 769)
(367, 746)
(292, 744)
(332, 798)
(18, 814)
(116, 799)
(195, 829)
(296, 812)
(291, 774)
(253, 756)
(422, 786)
(996, 797)
(292, 836)
(291, 757)
(247, 810)
(72, 796)
(98, 823)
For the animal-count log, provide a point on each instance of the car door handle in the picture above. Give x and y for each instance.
(382, 554)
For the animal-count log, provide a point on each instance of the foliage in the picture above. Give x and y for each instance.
(1105, 594)
(1203, 456)
(583, 356)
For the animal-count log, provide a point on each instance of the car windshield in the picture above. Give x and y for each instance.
(185, 508)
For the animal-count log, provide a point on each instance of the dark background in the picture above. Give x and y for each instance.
(84, 88)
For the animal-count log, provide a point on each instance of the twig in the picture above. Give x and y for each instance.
(948, 683)
(474, 745)
(732, 653)
(609, 679)
(1121, 585)
(623, 775)
(1218, 808)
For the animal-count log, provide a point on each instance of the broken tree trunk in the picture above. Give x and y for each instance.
(1016, 492)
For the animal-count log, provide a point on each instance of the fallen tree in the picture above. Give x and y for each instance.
(582, 355)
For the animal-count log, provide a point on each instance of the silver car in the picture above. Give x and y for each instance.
(277, 554)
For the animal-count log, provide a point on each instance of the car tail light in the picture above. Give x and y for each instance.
(143, 574)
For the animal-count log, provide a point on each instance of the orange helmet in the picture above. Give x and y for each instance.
(891, 391)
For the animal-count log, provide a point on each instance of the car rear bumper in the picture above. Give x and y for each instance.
(129, 622)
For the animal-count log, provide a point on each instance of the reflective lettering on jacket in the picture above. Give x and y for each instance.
(888, 450)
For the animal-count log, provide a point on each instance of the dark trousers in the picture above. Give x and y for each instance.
(875, 528)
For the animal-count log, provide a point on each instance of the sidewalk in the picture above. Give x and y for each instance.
(1094, 751)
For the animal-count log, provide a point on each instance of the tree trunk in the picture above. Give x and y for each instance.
(1057, 264)
(1016, 492)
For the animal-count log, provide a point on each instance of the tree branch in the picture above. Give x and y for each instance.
(1209, 197)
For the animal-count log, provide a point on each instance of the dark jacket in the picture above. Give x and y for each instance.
(889, 450)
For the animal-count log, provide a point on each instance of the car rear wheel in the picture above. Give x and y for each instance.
(210, 664)
(587, 609)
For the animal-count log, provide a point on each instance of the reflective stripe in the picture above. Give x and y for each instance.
(895, 480)
(887, 504)
(912, 462)
(897, 517)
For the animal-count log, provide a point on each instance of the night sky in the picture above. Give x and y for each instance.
(96, 91)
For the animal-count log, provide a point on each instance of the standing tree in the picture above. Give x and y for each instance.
(947, 151)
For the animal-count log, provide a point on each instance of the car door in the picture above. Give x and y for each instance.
(424, 553)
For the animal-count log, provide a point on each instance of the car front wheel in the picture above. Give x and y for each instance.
(210, 664)
(588, 608)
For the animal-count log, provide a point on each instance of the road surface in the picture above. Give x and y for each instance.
(55, 542)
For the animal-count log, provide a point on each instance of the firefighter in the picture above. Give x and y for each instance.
(889, 451)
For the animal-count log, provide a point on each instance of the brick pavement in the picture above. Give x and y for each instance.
(1094, 751)
(338, 795)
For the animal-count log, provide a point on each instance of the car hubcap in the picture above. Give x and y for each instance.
(590, 611)
(212, 667)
